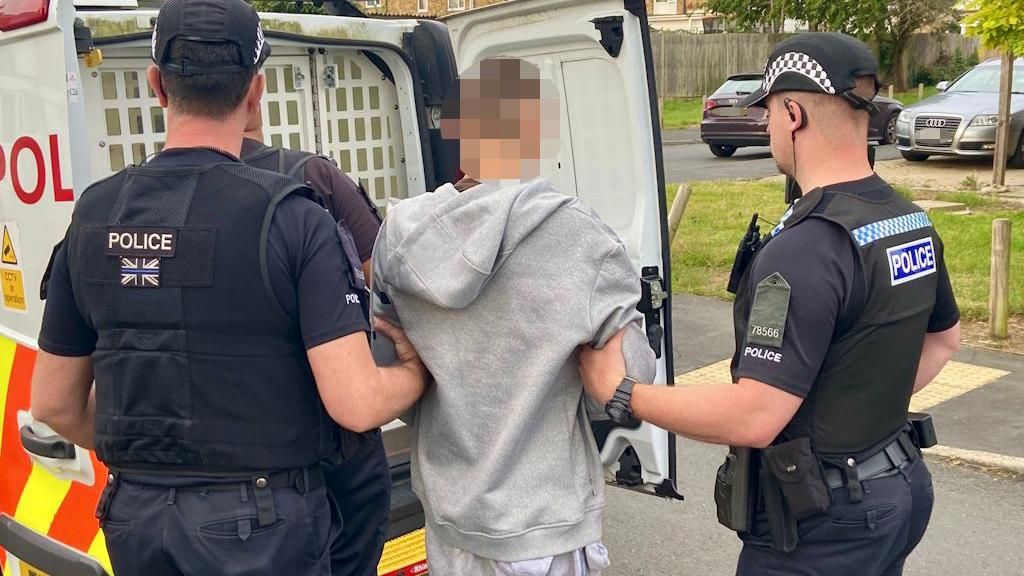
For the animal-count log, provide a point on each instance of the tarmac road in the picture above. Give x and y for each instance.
(688, 162)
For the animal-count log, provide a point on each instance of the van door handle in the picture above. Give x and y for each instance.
(56, 447)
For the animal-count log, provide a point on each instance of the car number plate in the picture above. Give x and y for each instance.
(730, 112)
(929, 134)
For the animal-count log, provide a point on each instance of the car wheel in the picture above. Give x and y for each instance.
(914, 156)
(1017, 160)
(889, 132)
(722, 151)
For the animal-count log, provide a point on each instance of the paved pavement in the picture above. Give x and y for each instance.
(693, 161)
(977, 522)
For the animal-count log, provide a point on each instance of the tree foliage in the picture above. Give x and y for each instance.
(287, 6)
(998, 23)
(890, 22)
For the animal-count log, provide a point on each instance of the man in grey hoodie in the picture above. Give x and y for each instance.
(497, 280)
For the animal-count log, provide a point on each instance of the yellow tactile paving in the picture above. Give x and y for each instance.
(716, 373)
(956, 379)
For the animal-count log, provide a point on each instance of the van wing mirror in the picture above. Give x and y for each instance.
(942, 86)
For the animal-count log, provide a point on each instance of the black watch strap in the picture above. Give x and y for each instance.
(618, 408)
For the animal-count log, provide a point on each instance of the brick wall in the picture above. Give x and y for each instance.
(412, 7)
(676, 7)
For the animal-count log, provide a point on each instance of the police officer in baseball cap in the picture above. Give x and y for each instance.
(211, 303)
(843, 312)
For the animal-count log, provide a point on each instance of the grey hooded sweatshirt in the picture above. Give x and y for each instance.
(496, 289)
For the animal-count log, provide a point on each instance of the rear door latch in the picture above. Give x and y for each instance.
(652, 300)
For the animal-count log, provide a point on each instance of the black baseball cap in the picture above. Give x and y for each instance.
(213, 21)
(823, 62)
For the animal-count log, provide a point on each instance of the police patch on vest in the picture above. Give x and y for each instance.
(767, 324)
(911, 261)
(140, 272)
(141, 241)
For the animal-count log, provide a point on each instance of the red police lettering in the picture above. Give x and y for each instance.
(60, 193)
(20, 145)
(35, 151)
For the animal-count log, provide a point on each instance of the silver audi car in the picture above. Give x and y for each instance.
(961, 121)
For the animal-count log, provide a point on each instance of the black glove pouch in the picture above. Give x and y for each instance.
(799, 475)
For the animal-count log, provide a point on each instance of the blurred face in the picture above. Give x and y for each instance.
(501, 123)
(780, 134)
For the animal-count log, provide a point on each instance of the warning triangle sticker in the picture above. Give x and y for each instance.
(7, 255)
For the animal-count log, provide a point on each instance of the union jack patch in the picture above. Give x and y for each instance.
(140, 272)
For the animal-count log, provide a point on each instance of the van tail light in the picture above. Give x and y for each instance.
(15, 14)
(710, 104)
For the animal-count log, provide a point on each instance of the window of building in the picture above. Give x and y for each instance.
(662, 7)
(456, 5)
(373, 3)
(423, 5)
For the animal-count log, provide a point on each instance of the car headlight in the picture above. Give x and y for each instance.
(904, 117)
(985, 120)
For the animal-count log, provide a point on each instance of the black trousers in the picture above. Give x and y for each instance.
(154, 530)
(361, 487)
(870, 538)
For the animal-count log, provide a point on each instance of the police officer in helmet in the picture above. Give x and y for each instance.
(209, 301)
(844, 311)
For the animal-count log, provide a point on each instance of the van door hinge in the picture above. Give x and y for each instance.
(652, 300)
(612, 34)
(314, 98)
(330, 77)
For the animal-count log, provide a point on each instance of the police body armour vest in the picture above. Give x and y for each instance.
(862, 392)
(197, 366)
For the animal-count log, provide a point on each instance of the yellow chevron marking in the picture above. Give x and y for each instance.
(7, 349)
(403, 551)
(98, 550)
(40, 500)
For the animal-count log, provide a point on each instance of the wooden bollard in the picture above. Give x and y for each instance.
(999, 284)
(890, 91)
(920, 91)
(675, 215)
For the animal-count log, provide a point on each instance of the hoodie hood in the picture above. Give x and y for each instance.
(445, 246)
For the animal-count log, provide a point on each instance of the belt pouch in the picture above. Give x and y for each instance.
(781, 523)
(800, 478)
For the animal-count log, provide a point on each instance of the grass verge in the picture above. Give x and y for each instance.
(910, 97)
(679, 113)
(718, 213)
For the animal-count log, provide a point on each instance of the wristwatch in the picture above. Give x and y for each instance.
(617, 408)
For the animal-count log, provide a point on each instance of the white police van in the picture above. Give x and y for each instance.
(75, 107)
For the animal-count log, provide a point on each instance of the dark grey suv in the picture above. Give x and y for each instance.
(961, 121)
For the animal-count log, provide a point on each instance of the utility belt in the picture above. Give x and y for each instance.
(258, 484)
(791, 482)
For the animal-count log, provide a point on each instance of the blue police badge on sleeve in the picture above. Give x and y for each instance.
(911, 261)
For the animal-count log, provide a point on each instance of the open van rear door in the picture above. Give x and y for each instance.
(598, 55)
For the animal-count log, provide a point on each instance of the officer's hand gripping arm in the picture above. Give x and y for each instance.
(749, 413)
(357, 394)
